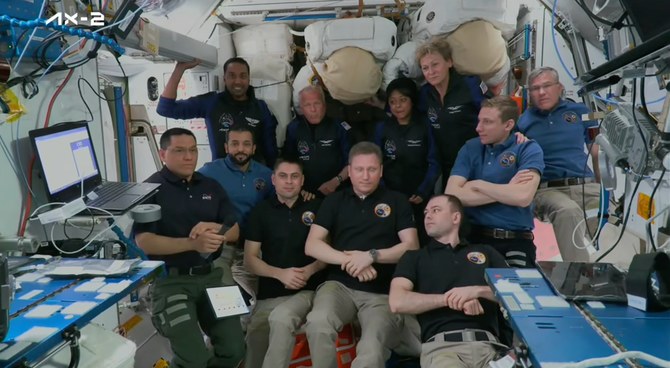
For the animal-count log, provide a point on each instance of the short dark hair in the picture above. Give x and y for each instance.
(405, 87)
(166, 138)
(457, 206)
(365, 148)
(287, 160)
(241, 128)
(236, 60)
(507, 107)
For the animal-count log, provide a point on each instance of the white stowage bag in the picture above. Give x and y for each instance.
(351, 75)
(439, 16)
(488, 60)
(304, 78)
(374, 34)
(269, 39)
(271, 78)
(403, 63)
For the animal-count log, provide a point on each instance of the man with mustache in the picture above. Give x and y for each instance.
(246, 180)
(237, 105)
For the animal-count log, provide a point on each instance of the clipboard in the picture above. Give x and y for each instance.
(227, 301)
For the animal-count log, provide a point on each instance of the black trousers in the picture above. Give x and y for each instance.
(519, 253)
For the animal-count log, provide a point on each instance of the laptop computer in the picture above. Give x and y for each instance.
(583, 281)
(67, 160)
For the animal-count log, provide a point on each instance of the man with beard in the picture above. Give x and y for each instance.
(246, 181)
(237, 105)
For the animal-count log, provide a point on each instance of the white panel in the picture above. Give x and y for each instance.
(67, 107)
(144, 167)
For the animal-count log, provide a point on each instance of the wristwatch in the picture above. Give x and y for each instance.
(374, 254)
(339, 178)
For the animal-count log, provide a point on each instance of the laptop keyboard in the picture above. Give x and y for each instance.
(109, 192)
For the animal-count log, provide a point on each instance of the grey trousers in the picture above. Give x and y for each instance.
(335, 305)
(562, 206)
(443, 354)
(271, 332)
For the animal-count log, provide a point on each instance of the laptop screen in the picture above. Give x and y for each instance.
(585, 281)
(67, 158)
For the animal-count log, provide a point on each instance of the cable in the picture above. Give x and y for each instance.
(606, 361)
(112, 224)
(102, 39)
(639, 180)
(593, 16)
(26, 215)
(17, 142)
(16, 66)
(651, 204)
(90, 231)
(553, 38)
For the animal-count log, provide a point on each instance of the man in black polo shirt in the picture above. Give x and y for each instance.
(321, 144)
(361, 232)
(277, 229)
(456, 310)
(196, 212)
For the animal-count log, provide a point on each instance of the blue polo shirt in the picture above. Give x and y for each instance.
(245, 188)
(498, 164)
(561, 133)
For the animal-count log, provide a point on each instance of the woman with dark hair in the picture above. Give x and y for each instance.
(408, 147)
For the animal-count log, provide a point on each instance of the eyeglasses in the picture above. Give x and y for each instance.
(182, 151)
(536, 89)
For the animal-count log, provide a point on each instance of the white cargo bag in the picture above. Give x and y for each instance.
(271, 78)
(270, 39)
(440, 17)
(376, 35)
(304, 78)
(403, 64)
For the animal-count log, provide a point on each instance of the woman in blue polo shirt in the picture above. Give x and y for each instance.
(407, 144)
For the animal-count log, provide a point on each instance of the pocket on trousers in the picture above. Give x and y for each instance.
(158, 317)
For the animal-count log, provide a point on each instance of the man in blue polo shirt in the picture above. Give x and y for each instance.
(568, 185)
(246, 181)
(496, 178)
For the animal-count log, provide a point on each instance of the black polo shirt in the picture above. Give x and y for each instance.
(454, 118)
(363, 224)
(282, 232)
(183, 205)
(322, 148)
(438, 268)
(410, 161)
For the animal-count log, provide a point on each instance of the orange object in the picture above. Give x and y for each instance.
(345, 345)
(519, 102)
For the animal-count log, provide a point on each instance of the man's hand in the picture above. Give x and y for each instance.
(415, 199)
(307, 196)
(185, 65)
(457, 297)
(520, 138)
(203, 227)
(367, 274)
(207, 242)
(293, 278)
(473, 308)
(522, 177)
(329, 187)
(357, 262)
